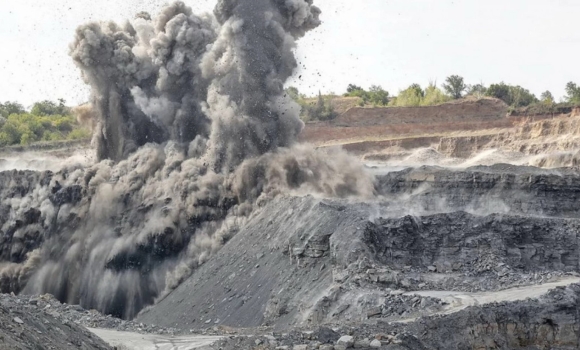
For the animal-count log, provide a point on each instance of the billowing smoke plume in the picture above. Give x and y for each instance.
(192, 132)
(184, 76)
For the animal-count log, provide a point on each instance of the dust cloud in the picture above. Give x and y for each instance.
(192, 131)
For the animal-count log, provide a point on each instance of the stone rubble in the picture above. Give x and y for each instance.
(30, 323)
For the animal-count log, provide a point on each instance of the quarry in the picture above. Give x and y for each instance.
(204, 214)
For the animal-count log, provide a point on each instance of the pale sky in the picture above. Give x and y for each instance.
(392, 43)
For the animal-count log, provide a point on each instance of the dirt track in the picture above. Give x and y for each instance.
(136, 341)
(458, 301)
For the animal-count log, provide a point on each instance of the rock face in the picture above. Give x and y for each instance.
(460, 241)
(485, 189)
(326, 262)
(550, 322)
(351, 264)
(362, 123)
(271, 272)
(129, 233)
(536, 135)
(306, 261)
(116, 237)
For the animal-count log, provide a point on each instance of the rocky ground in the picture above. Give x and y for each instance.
(75, 314)
(547, 322)
(359, 267)
(433, 261)
(41, 323)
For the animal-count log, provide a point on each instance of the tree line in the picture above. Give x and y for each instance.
(46, 121)
(453, 88)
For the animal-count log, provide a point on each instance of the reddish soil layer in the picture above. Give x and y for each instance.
(367, 129)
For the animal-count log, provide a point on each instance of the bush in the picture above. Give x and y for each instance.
(79, 134)
(410, 97)
(63, 125)
(514, 96)
(434, 96)
(25, 128)
(477, 90)
(322, 110)
(50, 108)
(376, 96)
(9, 108)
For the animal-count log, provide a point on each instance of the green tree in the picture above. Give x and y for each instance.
(418, 90)
(434, 96)
(25, 128)
(572, 93)
(500, 91)
(477, 90)
(50, 108)
(9, 108)
(357, 91)
(352, 88)
(455, 86)
(521, 97)
(377, 96)
(10, 133)
(411, 96)
(321, 110)
(547, 98)
(293, 93)
(515, 96)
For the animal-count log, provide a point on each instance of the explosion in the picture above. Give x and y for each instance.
(192, 132)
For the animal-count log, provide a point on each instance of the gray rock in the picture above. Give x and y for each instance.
(362, 344)
(374, 312)
(326, 335)
(346, 340)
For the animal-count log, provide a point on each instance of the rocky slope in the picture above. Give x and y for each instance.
(455, 132)
(547, 322)
(550, 142)
(361, 265)
(301, 261)
(357, 125)
(31, 324)
(500, 188)
(535, 137)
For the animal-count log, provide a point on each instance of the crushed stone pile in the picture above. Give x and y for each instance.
(33, 323)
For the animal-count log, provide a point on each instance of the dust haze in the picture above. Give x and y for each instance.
(192, 131)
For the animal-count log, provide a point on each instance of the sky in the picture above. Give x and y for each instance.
(391, 43)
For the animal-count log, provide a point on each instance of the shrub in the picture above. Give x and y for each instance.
(79, 134)
(515, 96)
(434, 96)
(25, 128)
(410, 97)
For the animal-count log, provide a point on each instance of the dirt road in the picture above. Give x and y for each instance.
(136, 341)
(458, 300)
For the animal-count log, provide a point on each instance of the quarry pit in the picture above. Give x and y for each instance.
(204, 214)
